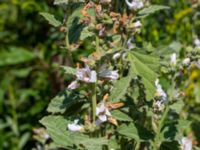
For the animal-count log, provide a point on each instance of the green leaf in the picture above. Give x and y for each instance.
(57, 129)
(119, 89)
(144, 66)
(69, 70)
(152, 9)
(86, 34)
(51, 19)
(117, 114)
(63, 101)
(129, 131)
(177, 106)
(15, 55)
(58, 2)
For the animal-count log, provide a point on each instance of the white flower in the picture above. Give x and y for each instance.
(198, 64)
(108, 73)
(197, 42)
(116, 56)
(186, 61)
(86, 75)
(173, 59)
(102, 112)
(73, 85)
(130, 44)
(137, 24)
(135, 4)
(160, 92)
(74, 126)
(186, 143)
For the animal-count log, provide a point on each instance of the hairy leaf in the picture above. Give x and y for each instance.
(144, 66)
(129, 131)
(51, 19)
(57, 129)
(152, 9)
(120, 116)
(69, 70)
(119, 89)
(63, 101)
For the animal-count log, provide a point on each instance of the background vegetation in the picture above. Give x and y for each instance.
(30, 56)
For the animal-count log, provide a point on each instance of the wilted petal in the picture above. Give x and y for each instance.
(73, 85)
(100, 109)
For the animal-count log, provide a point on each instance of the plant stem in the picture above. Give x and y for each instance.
(156, 143)
(94, 102)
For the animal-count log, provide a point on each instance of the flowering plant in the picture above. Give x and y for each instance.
(117, 100)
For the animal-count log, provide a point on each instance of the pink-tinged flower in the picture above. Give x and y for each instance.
(102, 112)
(73, 85)
(86, 75)
(106, 73)
(135, 4)
(130, 44)
(173, 59)
(75, 127)
(160, 92)
(186, 61)
(137, 24)
(186, 143)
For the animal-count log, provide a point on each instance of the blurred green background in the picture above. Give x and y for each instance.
(30, 57)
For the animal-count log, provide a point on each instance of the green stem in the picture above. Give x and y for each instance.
(156, 143)
(69, 55)
(94, 102)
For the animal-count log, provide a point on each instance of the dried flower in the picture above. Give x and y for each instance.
(186, 143)
(74, 126)
(135, 4)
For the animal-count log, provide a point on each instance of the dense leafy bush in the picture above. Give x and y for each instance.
(126, 93)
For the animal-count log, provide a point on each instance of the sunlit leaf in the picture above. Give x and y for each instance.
(117, 114)
(51, 19)
(119, 89)
(63, 101)
(152, 9)
(144, 66)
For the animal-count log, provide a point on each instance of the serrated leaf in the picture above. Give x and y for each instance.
(63, 101)
(57, 129)
(69, 70)
(51, 19)
(117, 114)
(119, 89)
(129, 131)
(177, 106)
(15, 55)
(144, 66)
(152, 9)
